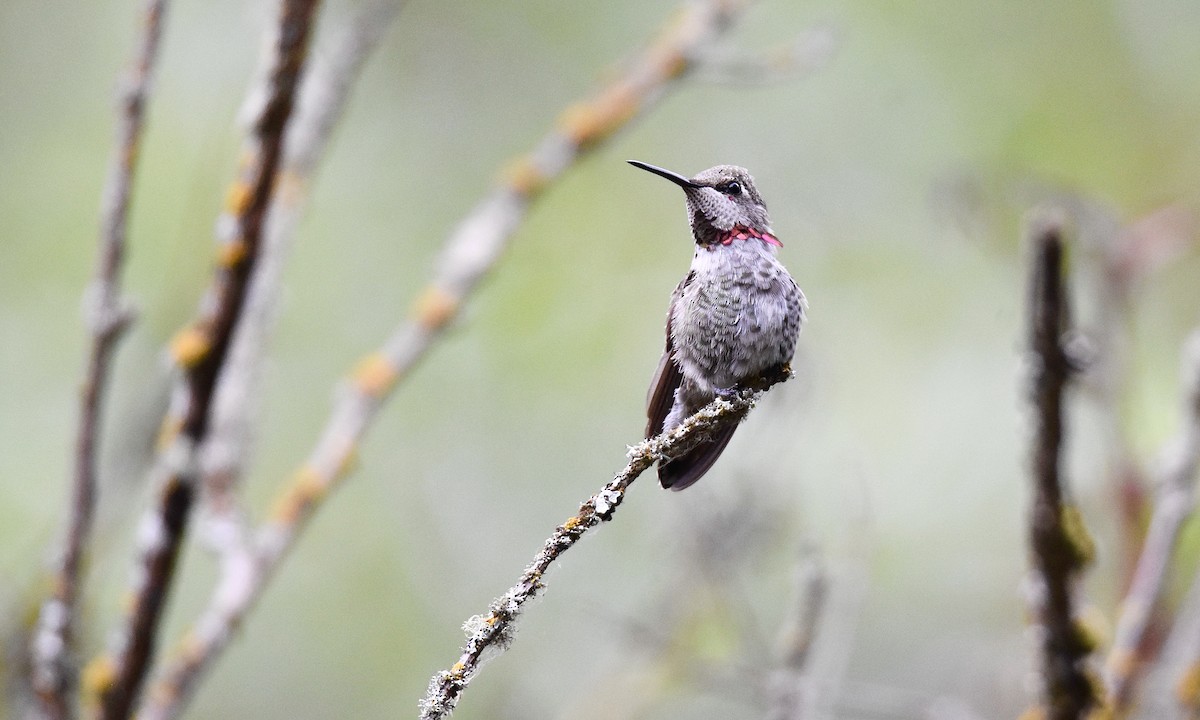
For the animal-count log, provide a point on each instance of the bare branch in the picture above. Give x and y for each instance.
(201, 350)
(324, 95)
(1176, 501)
(470, 252)
(107, 315)
(810, 51)
(490, 634)
(1061, 547)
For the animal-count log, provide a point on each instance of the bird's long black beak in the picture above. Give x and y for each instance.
(676, 178)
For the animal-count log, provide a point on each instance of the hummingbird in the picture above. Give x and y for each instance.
(733, 319)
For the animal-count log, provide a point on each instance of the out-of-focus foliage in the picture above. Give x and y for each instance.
(896, 176)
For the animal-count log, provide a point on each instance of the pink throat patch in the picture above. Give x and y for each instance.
(741, 232)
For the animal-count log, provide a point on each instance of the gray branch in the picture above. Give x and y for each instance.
(1061, 547)
(54, 676)
(491, 633)
(1175, 472)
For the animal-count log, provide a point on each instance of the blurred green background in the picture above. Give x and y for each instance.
(896, 174)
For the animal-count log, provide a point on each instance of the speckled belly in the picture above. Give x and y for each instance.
(730, 327)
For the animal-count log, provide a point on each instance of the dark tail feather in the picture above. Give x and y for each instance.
(687, 469)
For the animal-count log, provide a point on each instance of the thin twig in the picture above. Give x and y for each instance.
(490, 634)
(200, 350)
(107, 315)
(1058, 539)
(788, 686)
(1182, 658)
(323, 98)
(1176, 501)
(472, 249)
(808, 52)
(1122, 257)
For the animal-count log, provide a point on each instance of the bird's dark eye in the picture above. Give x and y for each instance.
(733, 187)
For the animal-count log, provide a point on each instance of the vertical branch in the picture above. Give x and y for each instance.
(323, 98)
(1058, 539)
(789, 686)
(107, 316)
(201, 350)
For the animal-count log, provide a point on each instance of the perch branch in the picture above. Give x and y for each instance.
(324, 95)
(1176, 500)
(490, 634)
(472, 249)
(1061, 547)
(200, 351)
(107, 315)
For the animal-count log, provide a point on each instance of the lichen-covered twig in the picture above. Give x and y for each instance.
(472, 249)
(200, 351)
(1175, 472)
(1059, 541)
(323, 97)
(491, 633)
(106, 315)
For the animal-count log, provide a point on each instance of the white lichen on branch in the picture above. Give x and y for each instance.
(490, 634)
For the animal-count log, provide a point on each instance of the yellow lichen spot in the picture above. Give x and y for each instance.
(286, 507)
(577, 121)
(1121, 663)
(168, 431)
(238, 198)
(1100, 713)
(375, 375)
(310, 486)
(585, 123)
(617, 105)
(1082, 545)
(307, 486)
(190, 648)
(348, 462)
(247, 158)
(523, 176)
(491, 619)
(1093, 627)
(1187, 690)
(676, 63)
(99, 675)
(571, 523)
(458, 668)
(190, 346)
(434, 307)
(131, 155)
(229, 254)
(290, 187)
